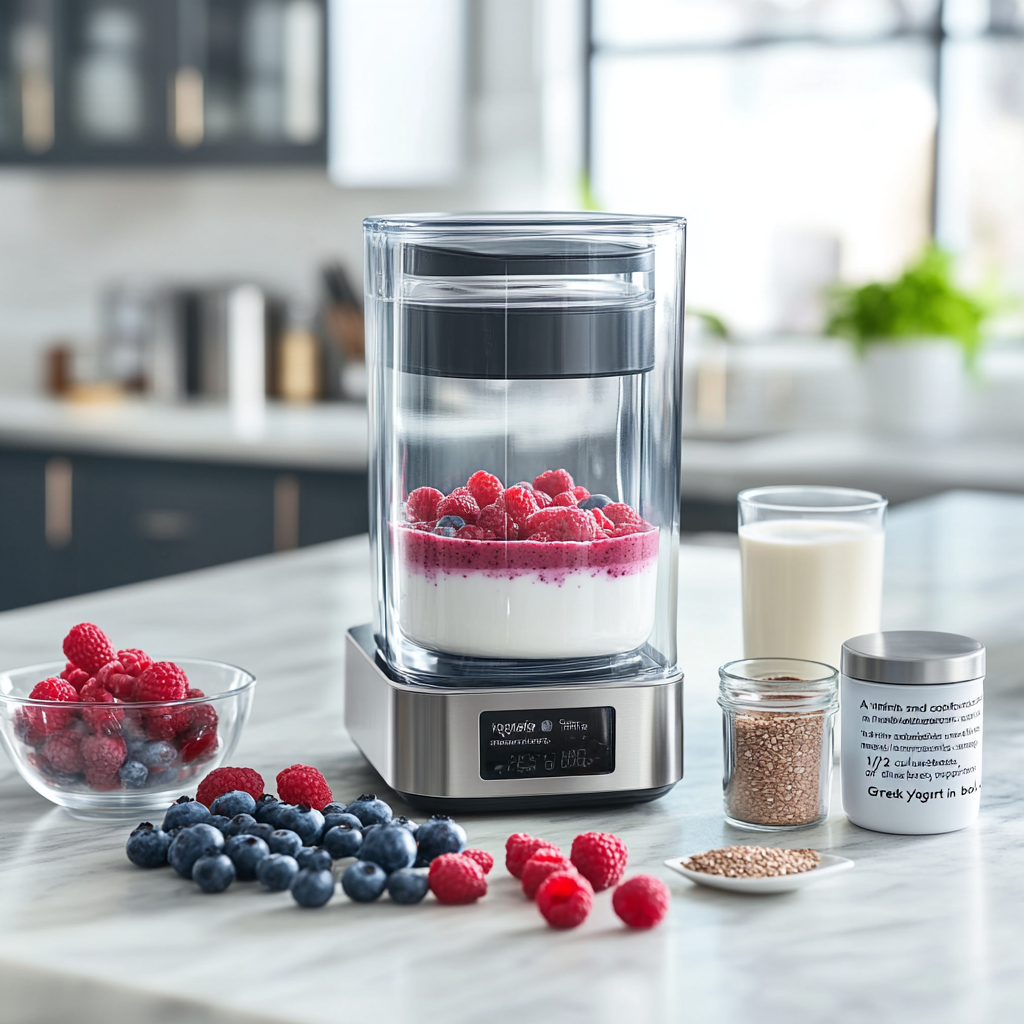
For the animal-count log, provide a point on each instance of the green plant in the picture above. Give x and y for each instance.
(924, 301)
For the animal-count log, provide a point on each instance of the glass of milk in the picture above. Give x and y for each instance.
(812, 569)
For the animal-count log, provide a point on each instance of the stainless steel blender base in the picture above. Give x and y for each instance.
(435, 745)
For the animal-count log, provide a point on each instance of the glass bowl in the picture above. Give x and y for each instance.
(72, 753)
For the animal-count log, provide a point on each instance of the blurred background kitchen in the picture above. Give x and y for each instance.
(182, 186)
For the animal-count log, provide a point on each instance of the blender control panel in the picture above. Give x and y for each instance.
(547, 743)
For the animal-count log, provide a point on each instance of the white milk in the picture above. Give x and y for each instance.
(809, 585)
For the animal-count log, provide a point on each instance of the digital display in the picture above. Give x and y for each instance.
(547, 744)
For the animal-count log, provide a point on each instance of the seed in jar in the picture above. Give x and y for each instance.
(752, 862)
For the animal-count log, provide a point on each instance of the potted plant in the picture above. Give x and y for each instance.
(918, 335)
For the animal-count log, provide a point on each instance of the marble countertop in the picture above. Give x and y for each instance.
(924, 929)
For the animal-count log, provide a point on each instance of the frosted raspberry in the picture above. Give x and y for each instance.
(44, 721)
(226, 780)
(422, 505)
(565, 899)
(301, 784)
(485, 488)
(454, 879)
(519, 848)
(581, 493)
(103, 756)
(24, 731)
(135, 662)
(641, 902)
(603, 522)
(160, 723)
(553, 482)
(544, 500)
(497, 521)
(75, 676)
(163, 680)
(572, 524)
(482, 857)
(622, 515)
(474, 533)
(628, 529)
(459, 503)
(520, 503)
(566, 499)
(88, 647)
(64, 751)
(543, 537)
(600, 857)
(101, 719)
(544, 862)
(113, 677)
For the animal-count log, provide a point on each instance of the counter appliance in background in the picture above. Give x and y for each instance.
(523, 650)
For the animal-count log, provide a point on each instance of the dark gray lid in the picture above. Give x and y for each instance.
(913, 656)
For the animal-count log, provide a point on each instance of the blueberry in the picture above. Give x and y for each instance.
(316, 858)
(336, 818)
(369, 810)
(283, 840)
(219, 822)
(276, 872)
(157, 754)
(390, 847)
(363, 881)
(133, 774)
(332, 808)
(267, 808)
(407, 885)
(238, 825)
(213, 873)
(185, 811)
(595, 501)
(261, 829)
(342, 841)
(308, 823)
(192, 843)
(235, 802)
(367, 829)
(444, 531)
(439, 835)
(147, 846)
(312, 888)
(405, 823)
(246, 852)
(454, 522)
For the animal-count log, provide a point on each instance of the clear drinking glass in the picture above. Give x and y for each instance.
(778, 724)
(812, 569)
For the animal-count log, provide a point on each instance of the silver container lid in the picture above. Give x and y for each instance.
(913, 656)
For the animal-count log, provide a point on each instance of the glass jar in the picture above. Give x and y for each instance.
(778, 718)
(525, 364)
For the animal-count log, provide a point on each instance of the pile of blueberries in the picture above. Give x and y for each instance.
(292, 846)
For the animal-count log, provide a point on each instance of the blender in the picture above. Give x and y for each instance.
(525, 376)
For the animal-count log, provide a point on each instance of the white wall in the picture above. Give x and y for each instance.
(65, 235)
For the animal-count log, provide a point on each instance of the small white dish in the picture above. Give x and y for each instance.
(829, 866)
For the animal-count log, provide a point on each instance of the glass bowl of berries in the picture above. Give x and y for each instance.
(110, 734)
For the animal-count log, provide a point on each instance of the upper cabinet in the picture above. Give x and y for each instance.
(163, 82)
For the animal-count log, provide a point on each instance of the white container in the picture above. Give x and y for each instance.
(912, 731)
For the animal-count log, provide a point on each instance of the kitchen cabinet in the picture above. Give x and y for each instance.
(70, 524)
(163, 82)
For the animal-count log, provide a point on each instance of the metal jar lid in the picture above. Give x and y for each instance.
(913, 656)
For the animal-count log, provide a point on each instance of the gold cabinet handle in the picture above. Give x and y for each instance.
(187, 118)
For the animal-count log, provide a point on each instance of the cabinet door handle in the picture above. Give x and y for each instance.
(286, 512)
(187, 118)
(57, 513)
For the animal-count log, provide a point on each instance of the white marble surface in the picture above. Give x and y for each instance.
(326, 436)
(925, 929)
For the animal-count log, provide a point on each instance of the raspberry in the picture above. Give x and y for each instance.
(75, 676)
(553, 482)
(483, 859)
(113, 677)
(519, 848)
(474, 533)
(494, 519)
(459, 503)
(160, 724)
(103, 756)
(600, 858)
(100, 719)
(201, 748)
(422, 504)
(603, 522)
(622, 515)
(565, 500)
(642, 902)
(520, 503)
(581, 493)
(135, 662)
(45, 721)
(301, 784)
(628, 529)
(572, 524)
(64, 751)
(456, 879)
(544, 500)
(543, 863)
(485, 488)
(88, 647)
(227, 780)
(565, 899)
(163, 680)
